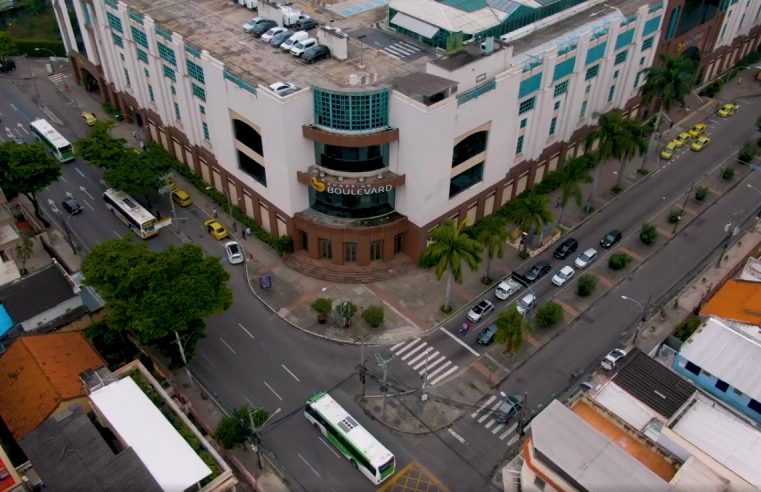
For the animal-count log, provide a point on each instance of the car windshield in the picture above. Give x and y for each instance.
(525, 302)
(609, 237)
(234, 249)
(585, 257)
(562, 274)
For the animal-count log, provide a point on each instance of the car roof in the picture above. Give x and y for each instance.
(589, 251)
(528, 297)
(566, 269)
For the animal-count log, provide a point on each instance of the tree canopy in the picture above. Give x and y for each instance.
(27, 169)
(99, 147)
(155, 294)
(8, 47)
(235, 429)
(135, 174)
(669, 80)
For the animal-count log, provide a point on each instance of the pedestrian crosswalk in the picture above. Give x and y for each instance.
(483, 416)
(401, 50)
(422, 357)
(57, 78)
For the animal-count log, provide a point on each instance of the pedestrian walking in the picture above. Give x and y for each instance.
(214, 212)
(248, 231)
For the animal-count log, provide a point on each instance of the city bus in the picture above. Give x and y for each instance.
(54, 141)
(138, 219)
(362, 450)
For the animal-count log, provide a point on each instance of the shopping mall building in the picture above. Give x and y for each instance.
(391, 135)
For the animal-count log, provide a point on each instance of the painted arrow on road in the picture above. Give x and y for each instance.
(84, 190)
(69, 194)
(52, 206)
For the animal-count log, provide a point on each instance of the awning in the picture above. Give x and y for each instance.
(417, 26)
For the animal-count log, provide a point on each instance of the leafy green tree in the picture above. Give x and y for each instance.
(618, 261)
(156, 295)
(549, 314)
(24, 250)
(531, 213)
(27, 169)
(511, 329)
(574, 172)
(667, 82)
(492, 234)
(586, 285)
(373, 316)
(448, 249)
(648, 234)
(235, 429)
(99, 147)
(636, 143)
(135, 174)
(8, 47)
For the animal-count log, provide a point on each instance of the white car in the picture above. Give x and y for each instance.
(283, 88)
(564, 275)
(585, 258)
(267, 36)
(299, 48)
(480, 311)
(234, 253)
(525, 303)
(613, 358)
(250, 25)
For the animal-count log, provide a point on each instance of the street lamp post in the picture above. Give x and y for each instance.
(643, 318)
(758, 214)
(53, 56)
(257, 434)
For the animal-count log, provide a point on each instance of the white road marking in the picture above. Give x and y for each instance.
(497, 428)
(508, 431)
(419, 347)
(433, 364)
(429, 358)
(408, 346)
(447, 373)
(398, 345)
(208, 359)
(490, 423)
(249, 402)
(304, 459)
(488, 414)
(117, 234)
(289, 372)
(512, 440)
(419, 356)
(88, 204)
(228, 345)
(432, 374)
(244, 329)
(329, 447)
(63, 179)
(459, 341)
(273, 391)
(487, 402)
(456, 436)
(80, 172)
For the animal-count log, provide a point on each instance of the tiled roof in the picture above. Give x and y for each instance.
(737, 300)
(653, 384)
(35, 294)
(39, 372)
(70, 454)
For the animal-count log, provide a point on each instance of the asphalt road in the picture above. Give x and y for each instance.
(252, 356)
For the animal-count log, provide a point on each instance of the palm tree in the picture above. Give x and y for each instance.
(667, 83)
(611, 134)
(24, 249)
(511, 329)
(635, 144)
(530, 213)
(575, 171)
(448, 248)
(492, 234)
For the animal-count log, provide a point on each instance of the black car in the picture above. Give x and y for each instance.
(315, 53)
(486, 336)
(71, 206)
(306, 24)
(566, 248)
(280, 38)
(539, 270)
(7, 65)
(508, 409)
(610, 238)
(263, 27)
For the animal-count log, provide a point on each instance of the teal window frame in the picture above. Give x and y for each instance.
(117, 40)
(199, 92)
(557, 105)
(526, 105)
(524, 122)
(651, 25)
(195, 71)
(673, 21)
(560, 89)
(169, 73)
(205, 130)
(351, 111)
(142, 55)
(595, 53)
(202, 108)
(519, 145)
(114, 22)
(648, 43)
(612, 92)
(139, 37)
(151, 94)
(624, 39)
(592, 72)
(564, 69)
(620, 57)
(530, 85)
(126, 77)
(166, 53)
(553, 125)
(583, 110)
(177, 111)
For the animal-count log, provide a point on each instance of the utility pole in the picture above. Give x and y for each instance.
(182, 355)
(383, 363)
(362, 368)
(681, 212)
(423, 395)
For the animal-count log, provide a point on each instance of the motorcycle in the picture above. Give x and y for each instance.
(464, 328)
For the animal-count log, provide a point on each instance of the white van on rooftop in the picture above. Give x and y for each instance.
(299, 48)
(297, 36)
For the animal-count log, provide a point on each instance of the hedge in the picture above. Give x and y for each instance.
(28, 45)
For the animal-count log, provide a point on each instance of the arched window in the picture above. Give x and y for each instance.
(469, 146)
(249, 136)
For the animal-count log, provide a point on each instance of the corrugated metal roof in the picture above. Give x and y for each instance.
(585, 455)
(654, 384)
(450, 18)
(731, 352)
(417, 26)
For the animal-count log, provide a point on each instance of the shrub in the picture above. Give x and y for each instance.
(373, 316)
(701, 193)
(618, 261)
(347, 309)
(675, 216)
(648, 234)
(323, 306)
(748, 151)
(686, 328)
(616, 190)
(586, 285)
(549, 314)
(728, 173)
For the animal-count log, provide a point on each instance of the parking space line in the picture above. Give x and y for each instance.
(273, 391)
(227, 345)
(289, 372)
(244, 329)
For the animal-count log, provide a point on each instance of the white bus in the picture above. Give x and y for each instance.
(54, 141)
(352, 440)
(138, 219)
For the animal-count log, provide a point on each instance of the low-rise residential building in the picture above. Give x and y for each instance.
(10, 480)
(723, 358)
(9, 237)
(736, 300)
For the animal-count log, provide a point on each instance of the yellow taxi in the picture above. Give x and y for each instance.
(90, 118)
(216, 229)
(700, 144)
(698, 130)
(669, 150)
(727, 110)
(681, 140)
(181, 197)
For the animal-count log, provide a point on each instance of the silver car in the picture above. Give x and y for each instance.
(585, 258)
